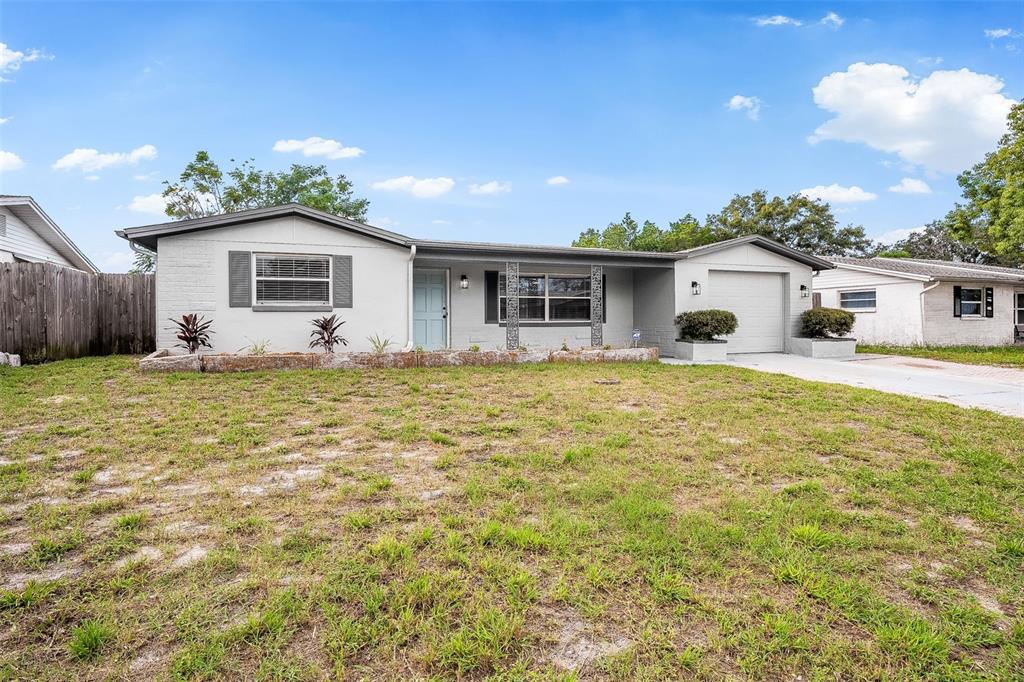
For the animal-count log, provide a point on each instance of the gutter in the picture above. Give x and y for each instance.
(412, 327)
(920, 295)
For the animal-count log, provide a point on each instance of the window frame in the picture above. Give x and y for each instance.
(872, 309)
(257, 303)
(1018, 306)
(980, 302)
(547, 298)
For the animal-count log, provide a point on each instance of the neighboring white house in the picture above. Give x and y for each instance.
(263, 274)
(28, 235)
(910, 301)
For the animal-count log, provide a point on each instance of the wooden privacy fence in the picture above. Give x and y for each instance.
(52, 313)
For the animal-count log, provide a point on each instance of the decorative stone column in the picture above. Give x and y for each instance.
(512, 305)
(596, 305)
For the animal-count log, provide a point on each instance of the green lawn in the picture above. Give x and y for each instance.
(1005, 356)
(505, 523)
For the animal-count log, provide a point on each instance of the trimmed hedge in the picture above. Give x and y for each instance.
(705, 325)
(822, 323)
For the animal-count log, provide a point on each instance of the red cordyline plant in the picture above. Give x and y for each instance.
(325, 333)
(193, 332)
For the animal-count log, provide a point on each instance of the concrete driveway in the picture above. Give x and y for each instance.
(998, 389)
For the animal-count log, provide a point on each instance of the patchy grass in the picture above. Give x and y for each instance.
(1001, 356)
(509, 523)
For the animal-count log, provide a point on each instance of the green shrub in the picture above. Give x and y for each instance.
(705, 325)
(89, 638)
(821, 323)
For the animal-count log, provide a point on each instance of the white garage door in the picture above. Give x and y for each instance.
(756, 299)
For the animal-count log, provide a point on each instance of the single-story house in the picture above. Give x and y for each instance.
(28, 235)
(262, 274)
(913, 301)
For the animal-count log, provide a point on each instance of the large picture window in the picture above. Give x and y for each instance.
(971, 302)
(283, 279)
(549, 298)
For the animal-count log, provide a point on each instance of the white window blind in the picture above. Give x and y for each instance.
(292, 279)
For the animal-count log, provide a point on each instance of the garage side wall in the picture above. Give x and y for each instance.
(896, 318)
(192, 277)
(744, 258)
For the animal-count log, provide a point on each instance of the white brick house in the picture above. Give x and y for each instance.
(910, 301)
(262, 274)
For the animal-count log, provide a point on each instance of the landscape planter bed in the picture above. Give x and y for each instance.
(702, 351)
(164, 360)
(833, 348)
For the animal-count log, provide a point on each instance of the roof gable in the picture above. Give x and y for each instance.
(32, 215)
(922, 269)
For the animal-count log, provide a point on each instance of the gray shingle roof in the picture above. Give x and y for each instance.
(936, 269)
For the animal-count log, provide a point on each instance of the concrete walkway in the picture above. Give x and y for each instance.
(998, 389)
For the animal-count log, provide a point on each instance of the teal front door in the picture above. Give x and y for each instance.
(430, 308)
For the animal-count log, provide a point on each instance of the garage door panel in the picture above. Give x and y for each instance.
(756, 298)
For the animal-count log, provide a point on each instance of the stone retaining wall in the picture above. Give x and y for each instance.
(164, 361)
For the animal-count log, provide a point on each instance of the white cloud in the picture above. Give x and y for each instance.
(383, 221)
(752, 105)
(777, 20)
(425, 188)
(929, 61)
(11, 60)
(92, 178)
(145, 177)
(997, 33)
(89, 160)
(116, 261)
(911, 186)
(893, 236)
(945, 122)
(558, 180)
(5, 119)
(837, 194)
(492, 187)
(318, 146)
(153, 204)
(10, 161)
(832, 20)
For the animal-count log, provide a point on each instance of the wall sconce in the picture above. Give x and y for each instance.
(804, 291)
(464, 282)
(695, 287)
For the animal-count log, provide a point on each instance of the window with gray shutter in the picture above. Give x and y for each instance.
(292, 279)
(239, 279)
(343, 281)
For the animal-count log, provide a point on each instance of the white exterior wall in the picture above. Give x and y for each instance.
(897, 316)
(192, 277)
(23, 240)
(942, 329)
(743, 258)
(466, 308)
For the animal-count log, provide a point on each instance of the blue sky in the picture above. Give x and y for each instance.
(453, 118)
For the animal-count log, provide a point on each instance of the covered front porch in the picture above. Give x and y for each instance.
(469, 299)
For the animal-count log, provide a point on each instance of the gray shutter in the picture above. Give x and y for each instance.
(239, 279)
(343, 281)
(3, 225)
(990, 309)
(956, 302)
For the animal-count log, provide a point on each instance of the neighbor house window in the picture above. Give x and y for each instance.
(283, 279)
(857, 300)
(970, 302)
(549, 298)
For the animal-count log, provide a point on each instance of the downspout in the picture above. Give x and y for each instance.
(921, 301)
(143, 250)
(411, 330)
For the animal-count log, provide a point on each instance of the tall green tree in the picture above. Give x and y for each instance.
(203, 189)
(628, 235)
(936, 242)
(992, 213)
(802, 223)
(798, 221)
